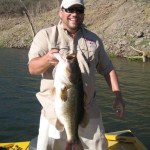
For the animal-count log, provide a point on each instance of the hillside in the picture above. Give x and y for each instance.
(120, 23)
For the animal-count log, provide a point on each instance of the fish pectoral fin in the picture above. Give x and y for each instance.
(63, 94)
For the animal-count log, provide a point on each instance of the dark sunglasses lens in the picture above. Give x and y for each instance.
(80, 10)
(74, 9)
(70, 10)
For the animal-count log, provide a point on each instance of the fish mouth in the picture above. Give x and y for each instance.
(72, 67)
(71, 57)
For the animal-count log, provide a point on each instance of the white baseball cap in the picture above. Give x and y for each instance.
(69, 3)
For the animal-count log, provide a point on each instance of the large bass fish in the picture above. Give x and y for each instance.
(69, 98)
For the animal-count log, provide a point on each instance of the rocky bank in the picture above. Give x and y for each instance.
(124, 26)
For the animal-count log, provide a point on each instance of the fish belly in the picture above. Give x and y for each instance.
(70, 112)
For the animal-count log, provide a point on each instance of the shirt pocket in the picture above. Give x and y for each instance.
(90, 56)
(63, 49)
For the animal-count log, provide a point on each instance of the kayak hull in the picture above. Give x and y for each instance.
(116, 141)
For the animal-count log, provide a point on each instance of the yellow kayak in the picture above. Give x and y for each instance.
(120, 140)
(15, 146)
(124, 140)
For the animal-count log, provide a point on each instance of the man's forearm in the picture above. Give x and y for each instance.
(118, 104)
(112, 81)
(39, 65)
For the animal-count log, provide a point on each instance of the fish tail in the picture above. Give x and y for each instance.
(74, 146)
(68, 145)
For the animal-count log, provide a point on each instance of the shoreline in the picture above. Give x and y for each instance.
(123, 28)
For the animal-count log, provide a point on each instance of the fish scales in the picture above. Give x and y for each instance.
(69, 101)
(74, 110)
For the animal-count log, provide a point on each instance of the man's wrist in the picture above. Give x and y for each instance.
(118, 94)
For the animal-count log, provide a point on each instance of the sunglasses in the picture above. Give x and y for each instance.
(78, 10)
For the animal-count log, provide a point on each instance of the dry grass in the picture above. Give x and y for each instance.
(16, 7)
(110, 19)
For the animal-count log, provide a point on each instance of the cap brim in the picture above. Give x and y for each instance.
(69, 5)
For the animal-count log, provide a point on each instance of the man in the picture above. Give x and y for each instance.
(70, 36)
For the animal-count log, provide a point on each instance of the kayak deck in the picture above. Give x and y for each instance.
(120, 140)
(124, 140)
(15, 146)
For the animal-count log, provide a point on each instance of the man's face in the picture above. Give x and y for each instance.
(72, 18)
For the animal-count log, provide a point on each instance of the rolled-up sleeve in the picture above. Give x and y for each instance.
(39, 46)
(104, 65)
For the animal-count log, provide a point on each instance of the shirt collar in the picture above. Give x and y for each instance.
(61, 26)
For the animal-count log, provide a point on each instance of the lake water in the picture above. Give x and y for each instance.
(20, 111)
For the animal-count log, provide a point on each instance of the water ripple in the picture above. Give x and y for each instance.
(20, 110)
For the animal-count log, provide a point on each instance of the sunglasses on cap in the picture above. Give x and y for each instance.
(78, 10)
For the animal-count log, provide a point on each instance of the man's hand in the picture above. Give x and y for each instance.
(119, 105)
(52, 59)
(39, 65)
